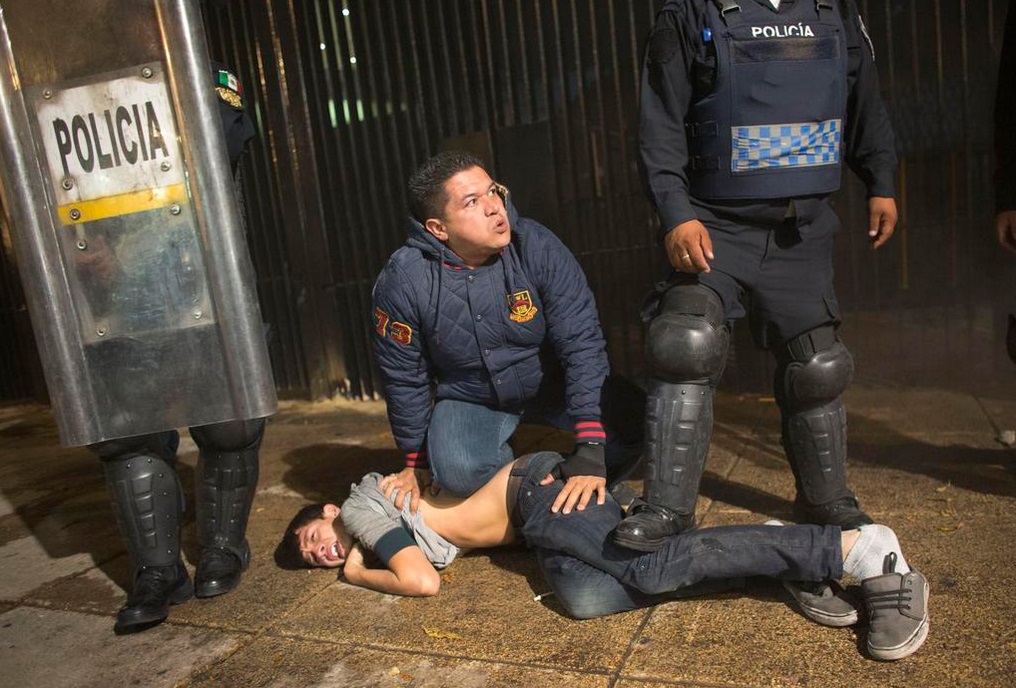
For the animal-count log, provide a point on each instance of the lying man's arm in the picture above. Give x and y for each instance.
(408, 573)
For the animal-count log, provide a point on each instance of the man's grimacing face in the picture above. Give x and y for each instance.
(324, 542)
(475, 222)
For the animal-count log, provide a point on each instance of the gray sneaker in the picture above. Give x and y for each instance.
(897, 611)
(826, 604)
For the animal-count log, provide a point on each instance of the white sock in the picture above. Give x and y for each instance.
(867, 556)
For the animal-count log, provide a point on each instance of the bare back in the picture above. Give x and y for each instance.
(479, 520)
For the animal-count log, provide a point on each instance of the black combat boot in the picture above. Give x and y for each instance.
(226, 482)
(148, 503)
(679, 424)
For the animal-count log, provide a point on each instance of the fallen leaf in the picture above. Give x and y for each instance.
(943, 488)
(394, 671)
(950, 529)
(438, 633)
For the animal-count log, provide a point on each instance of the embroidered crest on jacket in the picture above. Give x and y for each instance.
(521, 305)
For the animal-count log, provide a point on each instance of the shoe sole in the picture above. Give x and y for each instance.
(850, 523)
(215, 588)
(819, 616)
(912, 644)
(639, 545)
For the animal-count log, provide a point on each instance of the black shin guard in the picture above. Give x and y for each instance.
(148, 502)
(679, 426)
(146, 495)
(227, 480)
(815, 442)
(686, 347)
(813, 372)
(679, 423)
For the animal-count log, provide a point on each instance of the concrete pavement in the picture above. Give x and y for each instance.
(925, 461)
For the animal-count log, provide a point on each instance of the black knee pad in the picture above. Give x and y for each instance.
(688, 339)
(814, 369)
(229, 436)
(160, 444)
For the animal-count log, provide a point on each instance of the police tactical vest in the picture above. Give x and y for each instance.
(773, 126)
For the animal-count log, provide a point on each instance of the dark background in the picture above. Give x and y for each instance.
(346, 105)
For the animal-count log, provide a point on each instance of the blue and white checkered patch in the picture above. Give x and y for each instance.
(806, 144)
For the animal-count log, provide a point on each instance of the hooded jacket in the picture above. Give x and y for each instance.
(484, 335)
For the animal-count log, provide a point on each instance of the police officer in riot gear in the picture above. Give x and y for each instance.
(146, 492)
(747, 107)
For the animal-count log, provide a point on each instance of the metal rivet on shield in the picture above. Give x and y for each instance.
(67, 184)
(197, 315)
(165, 166)
(146, 72)
(75, 214)
(47, 94)
(82, 244)
(102, 333)
(175, 209)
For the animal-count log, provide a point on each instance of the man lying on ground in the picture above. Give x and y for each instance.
(587, 572)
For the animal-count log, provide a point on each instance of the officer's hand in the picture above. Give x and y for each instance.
(881, 219)
(398, 486)
(1005, 223)
(689, 247)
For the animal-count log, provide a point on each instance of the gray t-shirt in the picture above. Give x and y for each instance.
(380, 527)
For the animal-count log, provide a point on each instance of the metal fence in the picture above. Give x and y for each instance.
(349, 96)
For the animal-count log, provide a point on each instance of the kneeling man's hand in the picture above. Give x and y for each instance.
(406, 483)
(585, 473)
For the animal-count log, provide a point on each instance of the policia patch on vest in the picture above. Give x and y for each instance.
(228, 88)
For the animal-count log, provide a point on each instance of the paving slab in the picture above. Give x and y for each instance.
(60, 649)
(485, 611)
(282, 662)
(925, 461)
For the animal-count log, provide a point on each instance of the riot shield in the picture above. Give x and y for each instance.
(124, 218)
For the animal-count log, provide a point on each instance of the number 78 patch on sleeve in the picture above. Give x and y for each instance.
(381, 321)
(384, 326)
(402, 333)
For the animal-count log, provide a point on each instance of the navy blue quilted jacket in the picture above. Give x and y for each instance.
(476, 334)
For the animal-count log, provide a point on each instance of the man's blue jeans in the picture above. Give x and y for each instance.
(593, 577)
(467, 443)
